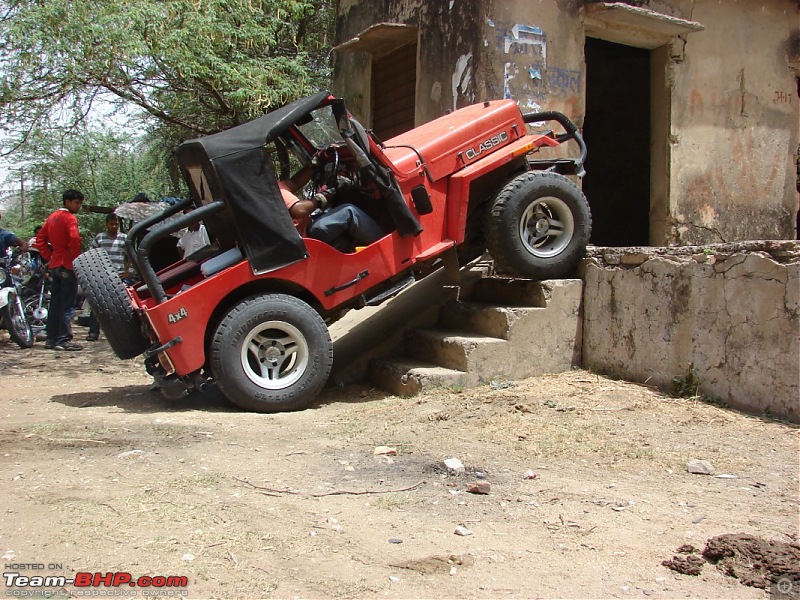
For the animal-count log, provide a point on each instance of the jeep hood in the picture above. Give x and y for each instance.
(453, 141)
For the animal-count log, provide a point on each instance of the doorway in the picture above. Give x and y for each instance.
(618, 137)
(394, 82)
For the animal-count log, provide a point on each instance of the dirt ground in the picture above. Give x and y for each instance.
(588, 490)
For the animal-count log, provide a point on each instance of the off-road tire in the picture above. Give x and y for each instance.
(552, 202)
(271, 353)
(105, 292)
(16, 321)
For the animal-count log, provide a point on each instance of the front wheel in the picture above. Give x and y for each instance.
(271, 353)
(36, 309)
(17, 322)
(539, 226)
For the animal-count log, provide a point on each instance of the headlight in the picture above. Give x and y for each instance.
(3, 276)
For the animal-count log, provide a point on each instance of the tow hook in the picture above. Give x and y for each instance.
(159, 349)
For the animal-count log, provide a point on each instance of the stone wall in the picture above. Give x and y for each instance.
(727, 313)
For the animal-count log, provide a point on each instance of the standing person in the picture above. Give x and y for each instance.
(194, 238)
(32, 241)
(59, 243)
(113, 242)
(8, 239)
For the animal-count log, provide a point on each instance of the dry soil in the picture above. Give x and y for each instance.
(588, 491)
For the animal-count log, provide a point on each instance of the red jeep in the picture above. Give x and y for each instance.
(250, 313)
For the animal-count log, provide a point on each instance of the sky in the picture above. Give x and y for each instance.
(102, 113)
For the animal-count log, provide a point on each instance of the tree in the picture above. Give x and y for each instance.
(195, 66)
(189, 67)
(107, 167)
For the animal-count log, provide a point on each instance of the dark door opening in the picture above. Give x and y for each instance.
(394, 84)
(617, 134)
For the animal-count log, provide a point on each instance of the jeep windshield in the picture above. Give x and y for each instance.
(321, 131)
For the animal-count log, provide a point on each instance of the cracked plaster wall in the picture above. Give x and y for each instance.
(729, 314)
(733, 132)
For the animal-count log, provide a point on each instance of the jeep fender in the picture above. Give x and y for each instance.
(459, 189)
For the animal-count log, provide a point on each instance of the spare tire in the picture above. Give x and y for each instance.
(105, 292)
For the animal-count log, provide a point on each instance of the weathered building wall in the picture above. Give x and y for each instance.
(352, 70)
(729, 313)
(533, 54)
(447, 57)
(734, 130)
(725, 110)
(472, 51)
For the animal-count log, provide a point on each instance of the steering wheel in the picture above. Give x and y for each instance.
(327, 168)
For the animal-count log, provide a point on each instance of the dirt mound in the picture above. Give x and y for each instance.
(688, 564)
(753, 561)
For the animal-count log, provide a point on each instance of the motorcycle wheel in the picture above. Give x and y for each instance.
(17, 322)
(37, 316)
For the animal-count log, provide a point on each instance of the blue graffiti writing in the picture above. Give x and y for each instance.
(563, 82)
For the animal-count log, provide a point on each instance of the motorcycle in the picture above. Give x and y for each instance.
(12, 309)
(35, 287)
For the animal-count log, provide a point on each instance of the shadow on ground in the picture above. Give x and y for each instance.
(141, 399)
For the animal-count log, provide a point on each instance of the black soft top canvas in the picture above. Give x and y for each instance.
(236, 169)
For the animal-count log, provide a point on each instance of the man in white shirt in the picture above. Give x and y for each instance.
(194, 238)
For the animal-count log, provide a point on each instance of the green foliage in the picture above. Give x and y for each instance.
(686, 385)
(183, 68)
(107, 167)
(198, 65)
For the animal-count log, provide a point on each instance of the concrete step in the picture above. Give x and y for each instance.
(510, 292)
(407, 377)
(503, 329)
(463, 351)
(484, 319)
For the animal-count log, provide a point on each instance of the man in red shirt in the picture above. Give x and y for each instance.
(59, 243)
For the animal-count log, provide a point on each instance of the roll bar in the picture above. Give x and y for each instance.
(139, 230)
(571, 133)
(141, 253)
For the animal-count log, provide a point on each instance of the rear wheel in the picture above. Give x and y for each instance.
(106, 294)
(271, 353)
(539, 226)
(17, 322)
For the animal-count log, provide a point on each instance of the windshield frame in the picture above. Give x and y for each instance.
(321, 130)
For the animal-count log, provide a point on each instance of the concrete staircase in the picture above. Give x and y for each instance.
(505, 329)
